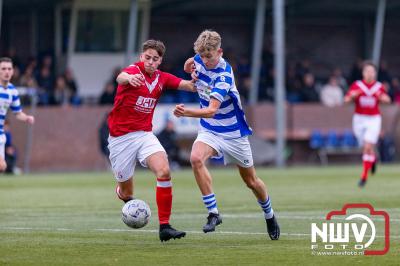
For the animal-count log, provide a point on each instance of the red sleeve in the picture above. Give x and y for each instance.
(132, 69)
(171, 81)
(353, 87)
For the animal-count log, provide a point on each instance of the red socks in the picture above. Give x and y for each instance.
(368, 161)
(164, 200)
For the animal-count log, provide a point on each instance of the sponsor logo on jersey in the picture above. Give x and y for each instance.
(145, 105)
(367, 101)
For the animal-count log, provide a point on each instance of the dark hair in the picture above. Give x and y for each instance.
(156, 45)
(6, 59)
(369, 63)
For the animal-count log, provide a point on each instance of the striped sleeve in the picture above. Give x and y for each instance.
(15, 103)
(221, 87)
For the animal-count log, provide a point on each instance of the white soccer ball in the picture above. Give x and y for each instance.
(136, 213)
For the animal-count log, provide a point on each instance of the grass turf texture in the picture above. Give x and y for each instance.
(64, 219)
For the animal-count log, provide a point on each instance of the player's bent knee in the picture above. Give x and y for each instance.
(164, 173)
(195, 160)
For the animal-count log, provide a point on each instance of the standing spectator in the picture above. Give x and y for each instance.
(103, 137)
(10, 153)
(167, 138)
(108, 94)
(396, 90)
(383, 73)
(331, 93)
(341, 80)
(356, 70)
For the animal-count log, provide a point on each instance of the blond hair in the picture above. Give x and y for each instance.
(207, 41)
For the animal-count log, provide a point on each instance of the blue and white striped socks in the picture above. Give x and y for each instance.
(211, 203)
(267, 208)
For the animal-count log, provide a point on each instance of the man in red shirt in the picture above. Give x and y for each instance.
(140, 86)
(367, 94)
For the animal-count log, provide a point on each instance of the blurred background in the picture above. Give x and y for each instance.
(293, 61)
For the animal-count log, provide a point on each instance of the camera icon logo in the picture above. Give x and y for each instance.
(346, 234)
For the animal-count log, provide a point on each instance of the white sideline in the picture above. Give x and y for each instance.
(156, 231)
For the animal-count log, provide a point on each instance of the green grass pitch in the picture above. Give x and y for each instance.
(74, 219)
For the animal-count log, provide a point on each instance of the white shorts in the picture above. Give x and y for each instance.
(236, 151)
(2, 145)
(126, 149)
(367, 128)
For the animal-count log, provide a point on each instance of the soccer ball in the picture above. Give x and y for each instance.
(136, 213)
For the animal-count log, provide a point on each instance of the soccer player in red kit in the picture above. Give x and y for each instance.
(367, 94)
(140, 86)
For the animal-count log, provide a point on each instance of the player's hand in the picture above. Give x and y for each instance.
(136, 80)
(354, 94)
(30, 119)
(189, 66)
(194, 76)
(179, 110)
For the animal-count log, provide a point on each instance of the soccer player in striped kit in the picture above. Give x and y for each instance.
(223, 129)
(9, 99)
(366, 95)
(140, 85)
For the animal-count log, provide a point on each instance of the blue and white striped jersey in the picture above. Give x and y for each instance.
(8, 99)
(229, 122)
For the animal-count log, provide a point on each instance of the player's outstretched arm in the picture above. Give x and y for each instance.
(187, 85)
(189, 67)
(209, 112)
(384, 98)
(351, 96)
(134, 80)
(25, 118)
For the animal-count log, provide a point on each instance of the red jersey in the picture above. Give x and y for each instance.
(367, 103)
(134, 106)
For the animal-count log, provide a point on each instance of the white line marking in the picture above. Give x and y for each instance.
(156, 231)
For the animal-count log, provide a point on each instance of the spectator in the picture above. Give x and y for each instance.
(16, 79)
(108, 95)
(45, 81)
(356, 71)
(72, 85)
(62, 93)
(103, 137)
(331, 93)
(308, 91)
(167, 138)
(341, 80)
(396, 90)
(28, 79)
(383, 73)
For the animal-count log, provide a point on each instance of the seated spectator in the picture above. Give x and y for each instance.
(28, 79)
(72, 85)
(62, 93)
(331, 93)
(108, 94)
(308, 91)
